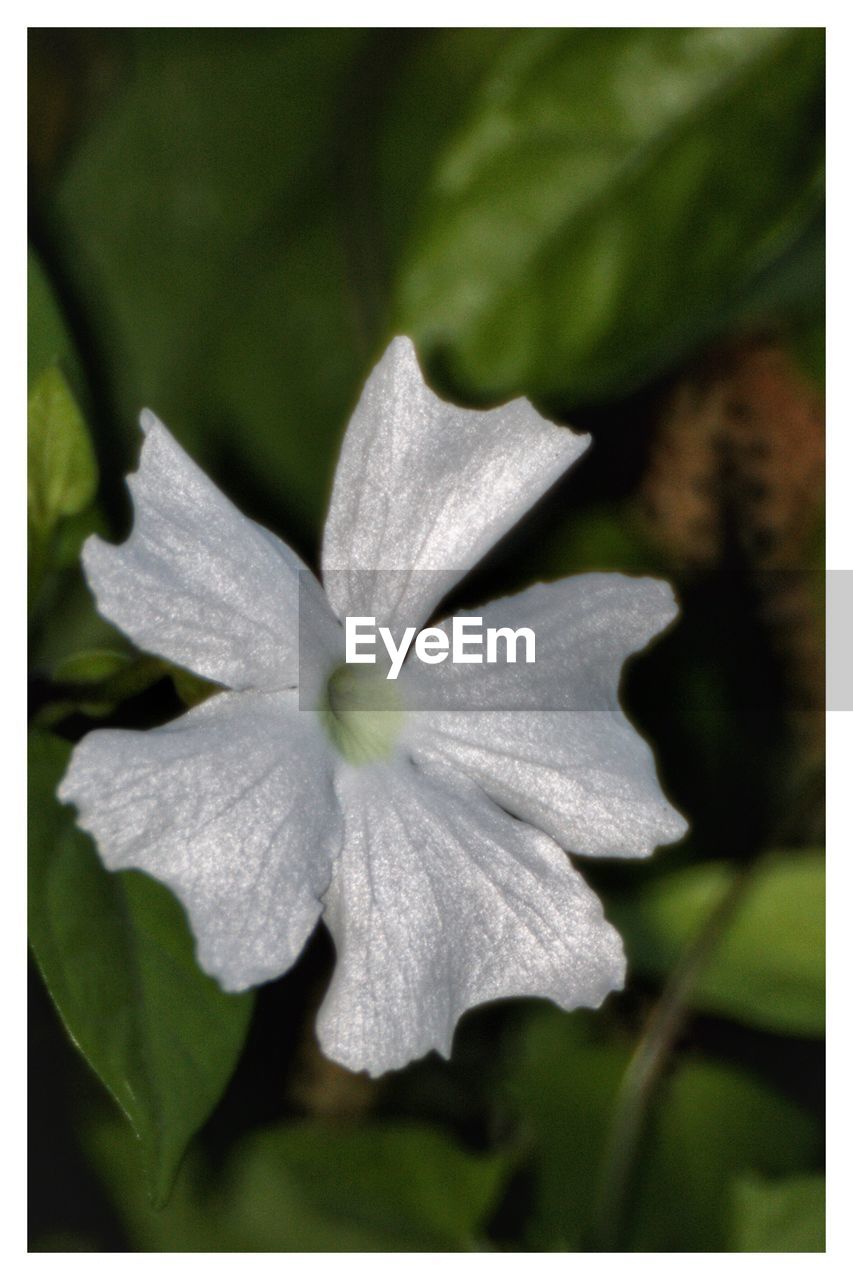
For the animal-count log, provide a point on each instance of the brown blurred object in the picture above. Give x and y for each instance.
(736, 480)
(319, 1086)
(738, 463)
(324, 1088)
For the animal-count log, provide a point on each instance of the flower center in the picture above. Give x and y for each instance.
(362, 713)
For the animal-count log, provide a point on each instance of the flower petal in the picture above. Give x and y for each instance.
(441, 901)
(423, 489)
(202, 585)
(233, 807)
(549, 741)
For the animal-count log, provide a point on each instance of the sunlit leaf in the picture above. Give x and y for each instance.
(611, 199)
(62, 474)
(90, 666)
(61, 470)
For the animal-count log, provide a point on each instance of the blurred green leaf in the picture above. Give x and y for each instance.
(73, 532)
(574, 210)
(96, 681)
(48, 340)
(67, 596)
(292, 409)
(768, 968)
(708, 1124)
(602, 539)
(808, 343)
(91, 666)
(613, 198)
(563, 1079)
(315, 1187)
(785, 1216)
(190, 688)
(420, 123)
(117, 958)
(236, 317)
(62, 474)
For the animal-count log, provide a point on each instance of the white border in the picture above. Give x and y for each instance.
(840, 553)
(439, 13)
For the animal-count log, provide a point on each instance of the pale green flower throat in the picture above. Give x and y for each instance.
(362, 713)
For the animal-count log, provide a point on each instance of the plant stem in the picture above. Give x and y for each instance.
(661, 1030)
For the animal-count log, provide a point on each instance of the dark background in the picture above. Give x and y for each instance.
(626, 226)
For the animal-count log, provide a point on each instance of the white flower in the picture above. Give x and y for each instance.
(263, 814)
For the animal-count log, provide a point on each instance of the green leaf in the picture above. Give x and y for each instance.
(768, 968)
(48, 340)
(708, 1123)
(190, 688)
(784, 1216)
(611, 199)
(73, 532)
(563, 1080)
(117, 959)
(96, 681)
(62, 474)
(315, 1187)
(418, 124)
(91, 666)
(601, 539)
(228, 304)
(68, 597)
(808, 344)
